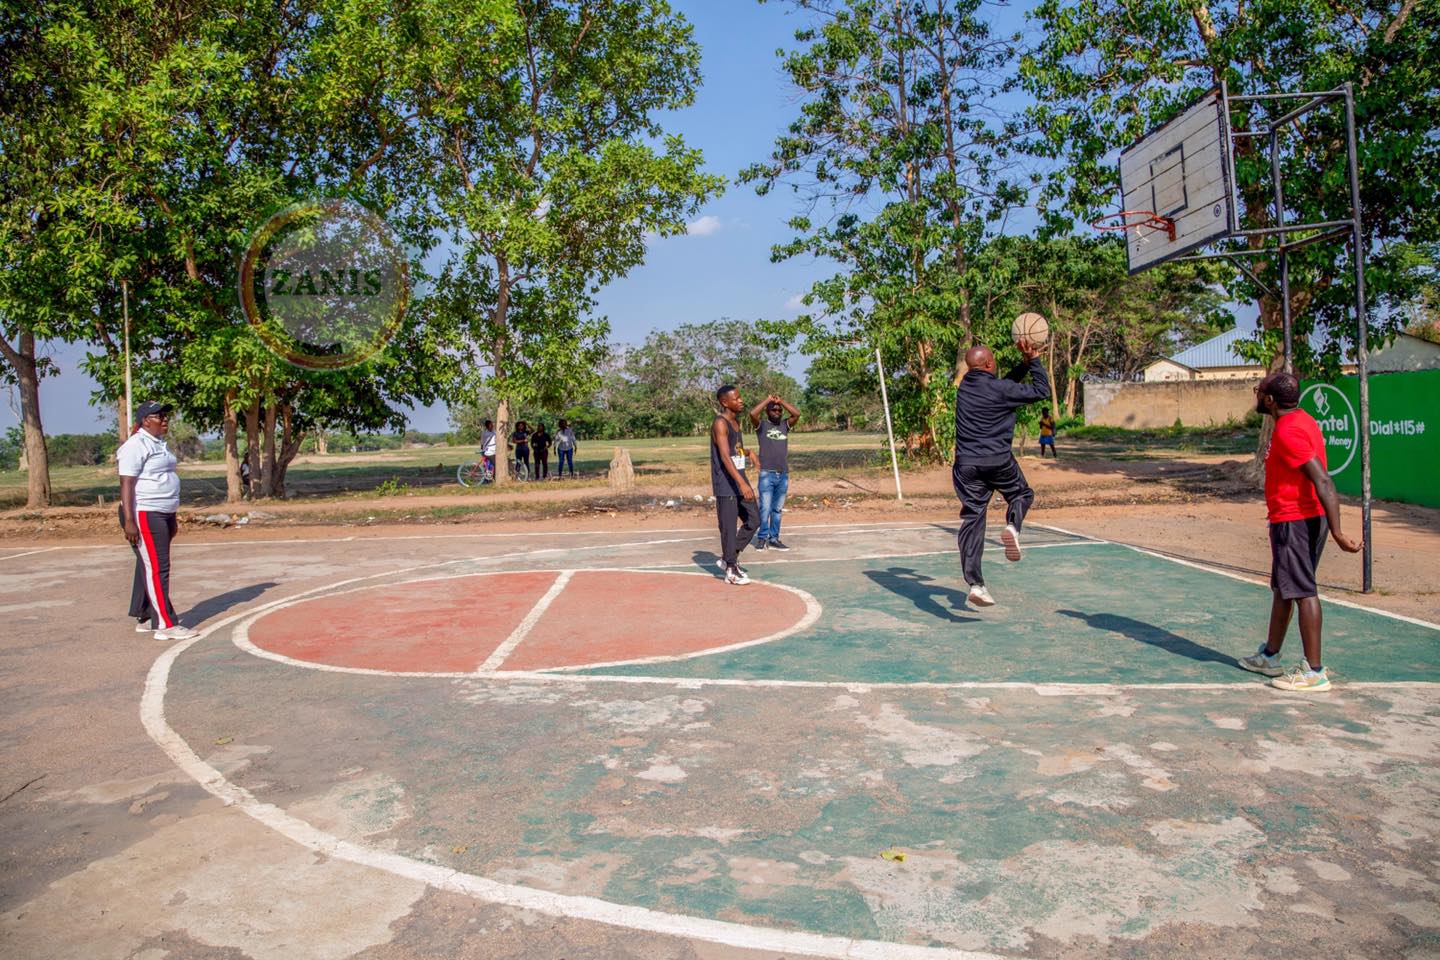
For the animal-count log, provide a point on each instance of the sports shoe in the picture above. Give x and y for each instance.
(980, 597)
(724, 569)
(176, 632)
(1262, 662)
(736, 577)
(1302, 679)
(1011, 538)
(760, 544)
(775, 544)
(143, 626)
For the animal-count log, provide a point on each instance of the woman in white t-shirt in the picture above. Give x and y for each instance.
(565, 447)
(149, 500)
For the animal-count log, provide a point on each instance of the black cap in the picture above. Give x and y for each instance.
(150, 407)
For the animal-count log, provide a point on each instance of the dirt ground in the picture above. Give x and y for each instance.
(1198, 507)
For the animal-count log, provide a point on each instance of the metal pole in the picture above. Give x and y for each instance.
(1362, 348)
(125, 310)
(1285, 331)
(889, 431)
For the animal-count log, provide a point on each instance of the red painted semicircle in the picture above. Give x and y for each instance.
(455, 625)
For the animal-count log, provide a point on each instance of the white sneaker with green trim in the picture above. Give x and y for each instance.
(1262, 662)
(1301, 679)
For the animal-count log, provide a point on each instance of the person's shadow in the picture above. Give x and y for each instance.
(218, 604)
(928, 595)
(1153, 635)
(707, 560)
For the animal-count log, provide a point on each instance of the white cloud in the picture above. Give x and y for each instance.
(796, 302)
(703, 227)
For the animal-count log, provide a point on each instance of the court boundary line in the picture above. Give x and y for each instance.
(240, 636)
(568, 906)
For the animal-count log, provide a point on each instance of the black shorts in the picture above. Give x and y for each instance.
(1295, 547)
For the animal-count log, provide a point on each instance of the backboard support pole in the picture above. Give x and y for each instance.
(1362, 348)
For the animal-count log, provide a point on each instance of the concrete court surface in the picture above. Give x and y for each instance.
(587, 746)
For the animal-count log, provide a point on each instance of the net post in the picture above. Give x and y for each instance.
(889, 430)
(1357, 238)
(1286, 334)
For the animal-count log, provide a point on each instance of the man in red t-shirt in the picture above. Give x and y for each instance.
(1302, 505)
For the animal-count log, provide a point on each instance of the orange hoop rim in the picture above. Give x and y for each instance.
(1133, 219)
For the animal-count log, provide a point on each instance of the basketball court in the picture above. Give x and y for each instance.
(842, 759)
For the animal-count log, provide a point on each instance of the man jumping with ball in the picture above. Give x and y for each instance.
(985, 408)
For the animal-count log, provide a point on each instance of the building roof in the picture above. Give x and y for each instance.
(1219, 351)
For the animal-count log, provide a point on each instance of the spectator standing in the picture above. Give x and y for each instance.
(149, 501)
(520, 440)
(773, 419)
(565, 446)
(540, 442)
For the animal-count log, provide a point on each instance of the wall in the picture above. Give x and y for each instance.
(1195, 403)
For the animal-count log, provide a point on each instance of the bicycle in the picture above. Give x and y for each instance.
(475, 473)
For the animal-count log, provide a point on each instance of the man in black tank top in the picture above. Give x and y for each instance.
(734, 497)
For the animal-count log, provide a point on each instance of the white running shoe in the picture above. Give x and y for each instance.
(980, 597)
(724, 569)
(176, 632)
(736, 577)
(1261, 662)
(1011, 538)
(143, 626)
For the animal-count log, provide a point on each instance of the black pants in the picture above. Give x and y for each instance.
(730, 510)
(542, 463)
(975, 486)
(522, 455)
(150, 591)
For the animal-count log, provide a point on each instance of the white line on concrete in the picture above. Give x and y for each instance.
(522, 630)
(28, 553)
(874, 556)
(152, 715)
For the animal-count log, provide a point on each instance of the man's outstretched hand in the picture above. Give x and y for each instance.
(1027, 349)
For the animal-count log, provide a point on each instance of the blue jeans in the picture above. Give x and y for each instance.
(566, 456)
(772, 490)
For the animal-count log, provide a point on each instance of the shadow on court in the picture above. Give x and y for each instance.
(1153, 635)
(217, 605)
(929, 595)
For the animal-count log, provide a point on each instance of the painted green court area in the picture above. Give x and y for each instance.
(1080, 771)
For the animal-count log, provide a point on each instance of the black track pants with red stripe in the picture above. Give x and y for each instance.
(150, 594)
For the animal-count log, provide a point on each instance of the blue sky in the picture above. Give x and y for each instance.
(721, 269)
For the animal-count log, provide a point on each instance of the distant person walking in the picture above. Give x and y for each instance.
(149, 500)
(565, 446)
(540, 443)
(734, 497)
(1047, 434)
(520, 440)
(773, 419)
(1302, 506)
(985, 407)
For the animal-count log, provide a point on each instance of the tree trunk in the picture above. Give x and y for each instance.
(1070, 392)
(290, 439)
(252, 446)
(1054, 396)
(267, 461)
(502, 437)
(122, 419)
(322, 447)
(36, 459)
(232, 452)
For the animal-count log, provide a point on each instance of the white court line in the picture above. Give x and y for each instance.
(873, 556)
(28, 553)
(522, 630)
(152, 716)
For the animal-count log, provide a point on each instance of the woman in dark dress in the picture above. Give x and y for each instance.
(540, 443)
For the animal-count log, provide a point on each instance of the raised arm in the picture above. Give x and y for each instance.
(794, 414)
(759, 408)
(1330, 500)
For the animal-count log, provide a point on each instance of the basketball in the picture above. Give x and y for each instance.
(1032, 327)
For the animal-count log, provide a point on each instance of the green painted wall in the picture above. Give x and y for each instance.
(1404, 433)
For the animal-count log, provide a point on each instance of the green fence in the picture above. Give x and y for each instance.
(1404, 433)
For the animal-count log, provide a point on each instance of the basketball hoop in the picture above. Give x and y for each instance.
(1135, 220)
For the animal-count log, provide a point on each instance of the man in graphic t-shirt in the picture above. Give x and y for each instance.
(773, 419)
(1302, 505)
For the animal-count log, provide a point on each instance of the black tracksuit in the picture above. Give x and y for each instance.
(985, 408)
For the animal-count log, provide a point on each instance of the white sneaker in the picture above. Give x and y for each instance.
(980, 597)
(1260, 662)
(143, 626)
(736, 577)
(176, 632)
(1011, 538)
(724, 569)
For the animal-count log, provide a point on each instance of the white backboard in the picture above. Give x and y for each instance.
(1180, 170)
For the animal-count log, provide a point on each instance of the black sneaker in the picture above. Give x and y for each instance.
(760, 544)
(777, 545)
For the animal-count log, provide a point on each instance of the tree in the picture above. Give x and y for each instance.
(1105, 71)
(898, 135)
(545, 169)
